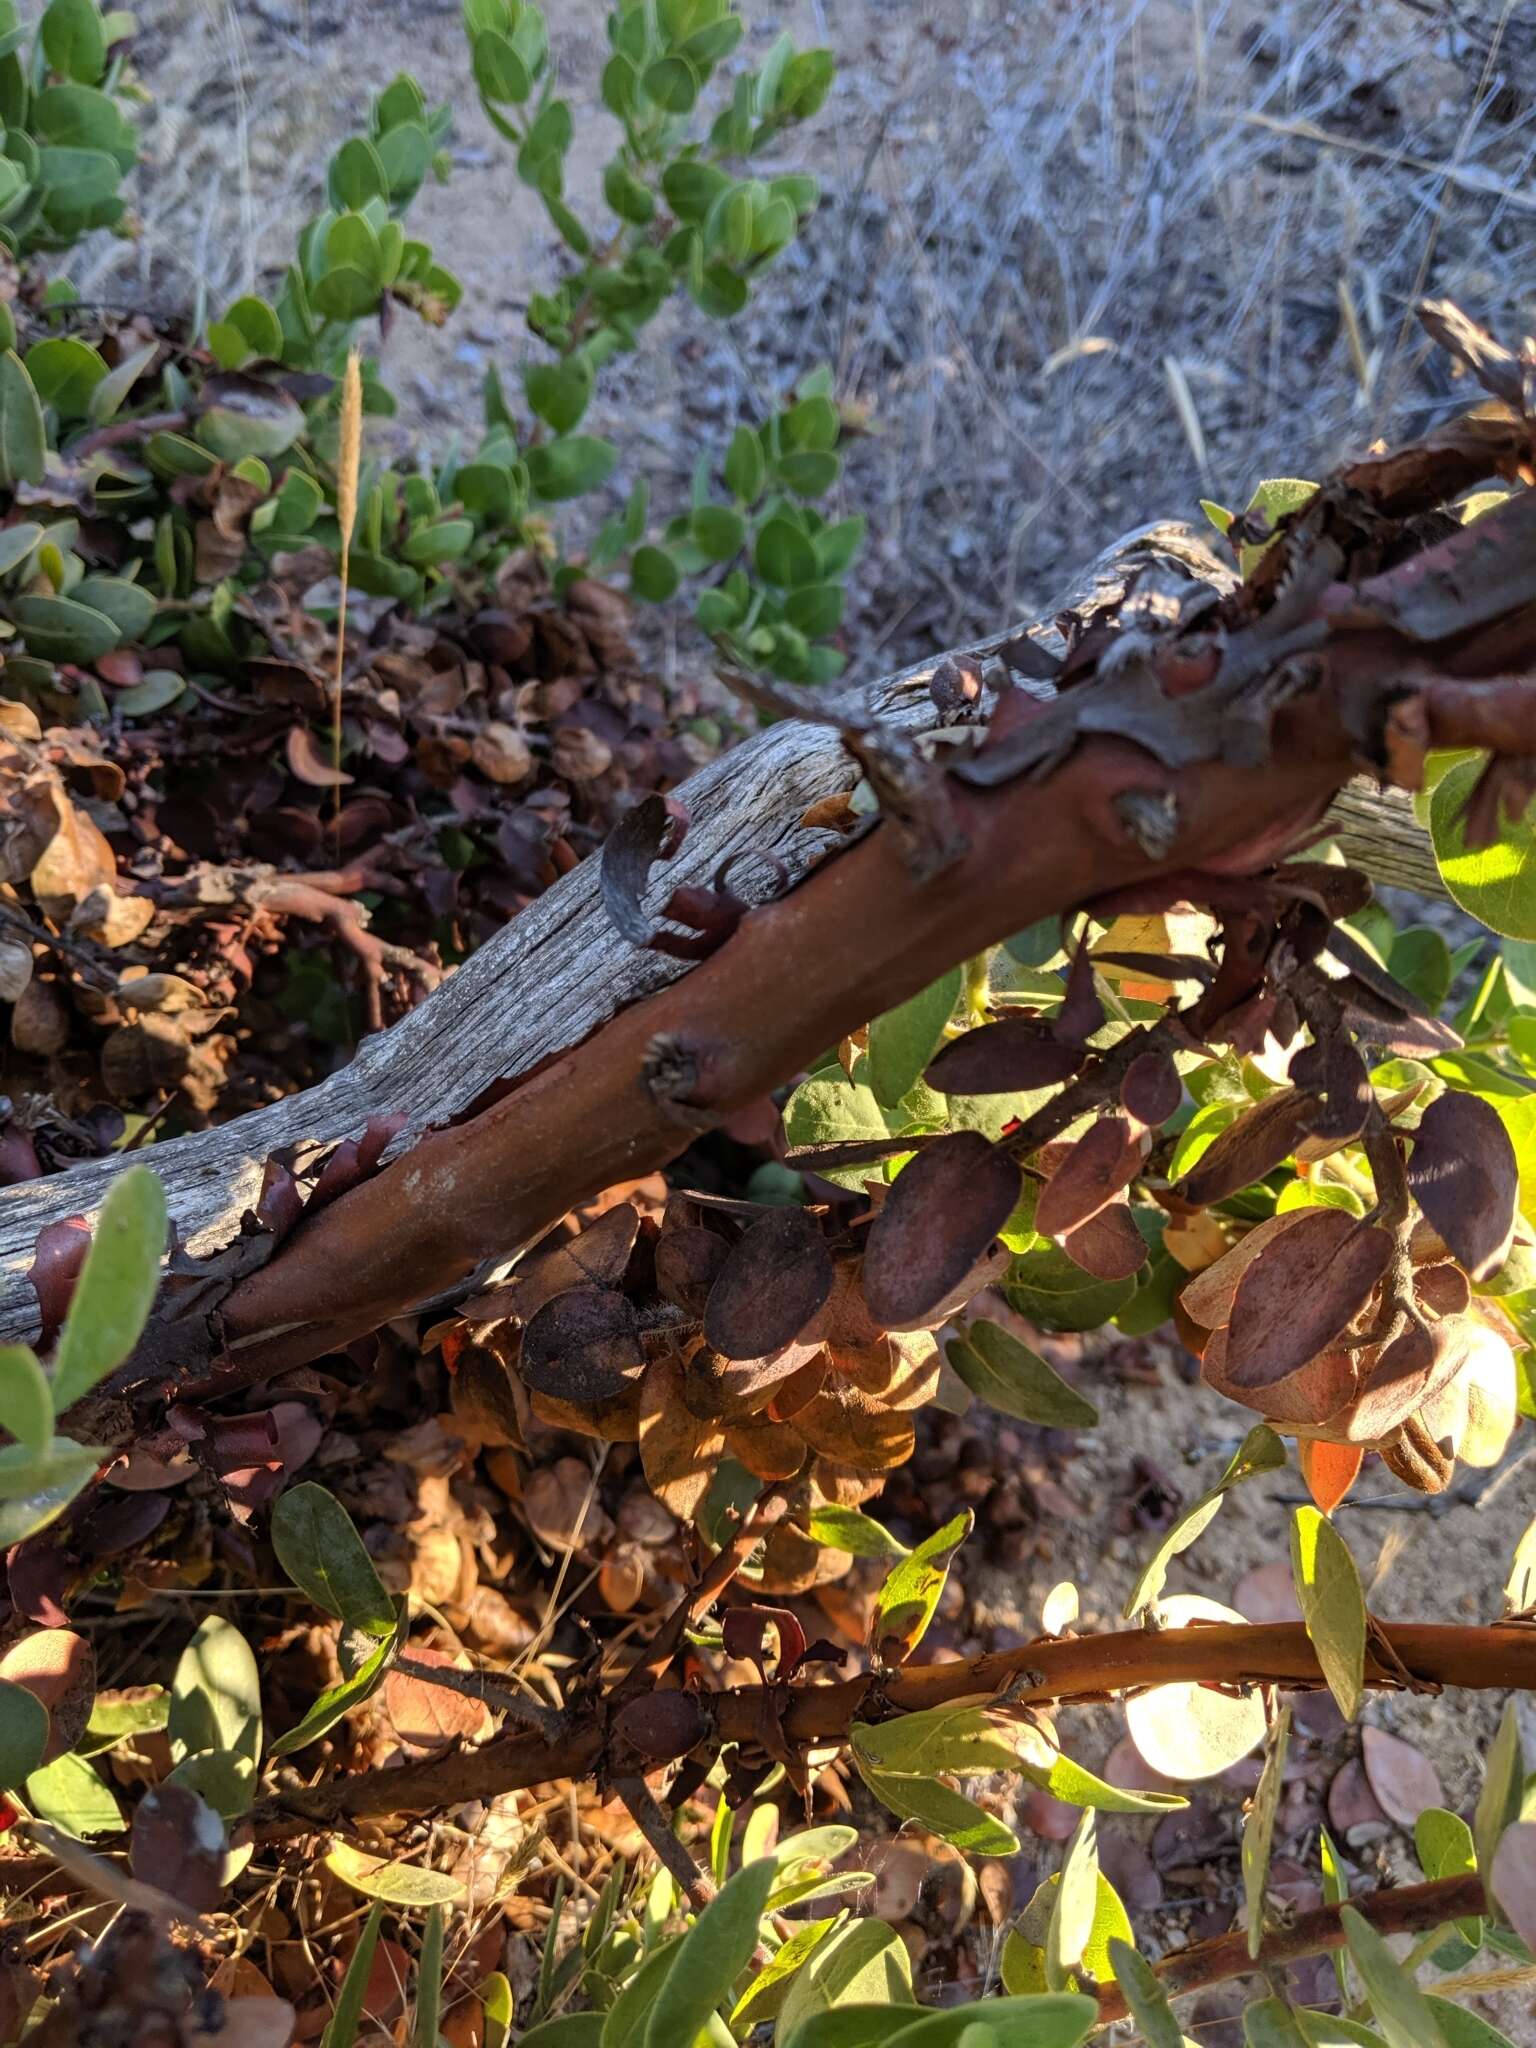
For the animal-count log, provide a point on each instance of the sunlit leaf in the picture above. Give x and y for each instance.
(116, 1288)
(1332, 1605)
(397, 1884)
(905, 1604)
(1398, 2006)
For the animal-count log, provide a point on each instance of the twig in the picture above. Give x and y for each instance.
(718, 1574)
(1411, 1909)
(548, 1723)
(640, 1802)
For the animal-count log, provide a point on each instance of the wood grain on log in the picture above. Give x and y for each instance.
(560, 971)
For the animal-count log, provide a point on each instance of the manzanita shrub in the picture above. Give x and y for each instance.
(1320, 1169)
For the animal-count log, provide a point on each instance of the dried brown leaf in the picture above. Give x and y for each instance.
(938, 1223)
(1464, 1176)
(678, 1451)
(1015, 1054)
(1100, 1165)
(1301, 1292)
(584, 1345)
(776, 1277)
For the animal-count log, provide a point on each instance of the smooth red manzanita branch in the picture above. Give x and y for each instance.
(1409, 1909)
(1052, 1672)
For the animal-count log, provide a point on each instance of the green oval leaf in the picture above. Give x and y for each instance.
(58, 629)
(23, 1733)
(1145, 1996)
(905, 1604)
(70, 1794)
(26, 1405)
(1496, 884)
(904, 1040)
(117, 1284)
(1010, 1377)
(864, 1963)
(23, 441)
(319, 1548)
(341, 1699)
(1332, 1605)
(216, 1695)
(1397, 2004)
(64, 373)
(1059, 2019)
(566, 468)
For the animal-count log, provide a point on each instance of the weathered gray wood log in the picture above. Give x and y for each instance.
(560, 970)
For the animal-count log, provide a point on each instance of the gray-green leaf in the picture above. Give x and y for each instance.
(116, 1288)
(319, 1548)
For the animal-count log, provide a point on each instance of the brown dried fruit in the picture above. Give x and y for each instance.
(664, 1725)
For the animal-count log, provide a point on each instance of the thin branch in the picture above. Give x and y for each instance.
(696, 1887)
(1053, 1671)
(1410, 1909)
(548, 1723)
(718, 1574)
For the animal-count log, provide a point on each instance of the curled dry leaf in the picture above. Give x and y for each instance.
(59, 1668)
(653, 830)
(857, 1429)
(1002, 1059)
(584, 1345)
(734, 1390)
(1302, 1291)
(774, 1280)
(597, 1257)
(938, 1223)
(1474, 1410)
(768, 1449)
(1464, 1176)
(678, 1450)
(1101, 1165)
(307, 764)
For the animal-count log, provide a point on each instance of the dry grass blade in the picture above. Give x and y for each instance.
(349, 455)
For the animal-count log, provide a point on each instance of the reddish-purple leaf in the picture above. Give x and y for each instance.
(745, 1633)
(652, 831)
(1108, 1245)
(1103, 1161)
(1081, 1012)
(56, 1261)
(1002, 1059)
(1151, 1090)
(116, 1522)
(306, 762)
(41, 1573)
(1335, 1072)
(583, 1346)
(1355, 1814)
(688, 1262)
(1512, 1879)
(775, 1278)
(355, 1159)
(1402, 1777)
(1464, 1176)
(1248, 1149)
(179, 1845)
(938, 1222)
(1300, 1293)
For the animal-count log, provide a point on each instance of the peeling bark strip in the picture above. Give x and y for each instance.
(1056, 1671)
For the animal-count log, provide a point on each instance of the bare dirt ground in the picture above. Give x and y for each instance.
(1084, 261)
